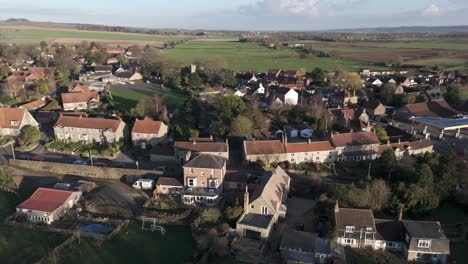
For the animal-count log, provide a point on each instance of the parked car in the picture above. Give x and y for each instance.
(38, 158)
(100, 164)
(24, 157)
(80, 162)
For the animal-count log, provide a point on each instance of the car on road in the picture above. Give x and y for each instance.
(38, 158)
(24, 157)
(80, 162)
(100, 164)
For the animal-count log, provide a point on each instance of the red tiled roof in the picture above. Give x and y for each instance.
(33, 105)
(434, 108)
(356, 138)
(147, 126)
(88, 122)
(309, 147)
(11, 114)
(45, 200)
(264, 147)
(68, 98)
(201, 146)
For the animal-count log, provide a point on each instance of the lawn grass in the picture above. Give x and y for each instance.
(136, 246)
(246, 56)
(43, 33)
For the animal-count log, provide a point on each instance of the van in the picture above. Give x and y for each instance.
(144, 184)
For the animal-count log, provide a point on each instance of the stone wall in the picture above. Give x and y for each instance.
(105, 173)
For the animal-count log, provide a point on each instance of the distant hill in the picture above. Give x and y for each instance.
(14, 20)
(409, 29)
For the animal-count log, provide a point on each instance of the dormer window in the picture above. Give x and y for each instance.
(424, 243)
(14, 122)
(350, 229)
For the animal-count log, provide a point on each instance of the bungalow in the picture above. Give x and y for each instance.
(12, 120)
(47, 205)
(90, 130)
(148, 131)
(356, 146)
(265, 206)
(80, 101)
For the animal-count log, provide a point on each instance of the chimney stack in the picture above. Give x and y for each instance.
(400, 213)
(246, 199)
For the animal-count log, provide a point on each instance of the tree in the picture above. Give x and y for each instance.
(379, 193)
(388, 161)
(453, 95)
(350, 81)
(233, 212)
(43, 88)
(29, 135)
(229, 78)
(210, 215)
(43, 45)
(319, 76)
(195, 81)
(140, 109)
(231, 106)
(381, 134)
(425, 177)
(193, 133)
(387, 92)
(241, 126)
(4, 71)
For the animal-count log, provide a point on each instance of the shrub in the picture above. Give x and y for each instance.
(210, 215)
(233, 212)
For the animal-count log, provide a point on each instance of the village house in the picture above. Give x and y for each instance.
(266, 151)
(12, 120)
(90, 130)
(34, 105)
(47, 205)
(128, 76)
(112, 60)
(388, 236)
(114, 51)
(374, 108)
(166, 185)
(348, 119)
(355, 227)
(425, 241)
(343, 98)
(184, 151)
(436, 108)
(355, 146)
(80, 101)
(148, 131)
(406, 148)
(287, 96)
(203, 179)
(317, 152)
(265, 206)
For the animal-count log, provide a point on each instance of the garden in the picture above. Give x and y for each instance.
(80, 148)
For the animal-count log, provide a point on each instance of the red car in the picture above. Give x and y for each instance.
(37, 158)
(100, 164)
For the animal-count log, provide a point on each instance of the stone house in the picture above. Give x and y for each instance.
(265, 206)
(406, 148)
(355, 227)
(90, 130)
(374, 108)
(12, 120)
(317, 152)
(80, 100)
(356, 146)
(203, 179)
(183, 151)
(148, 131)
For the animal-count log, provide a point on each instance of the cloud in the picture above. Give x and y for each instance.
(300, 6)
(282, 7)
(433, 10)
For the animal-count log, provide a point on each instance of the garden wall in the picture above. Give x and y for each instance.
(105, 173)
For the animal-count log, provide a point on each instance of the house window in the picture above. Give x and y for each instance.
(14, 122)
(348, 241)
(213, 183)
(192, 182)
(390, 245)
(191, 170)
(202, 173)
(264, 210)
(350, 229)
(424, 243)
(292, 155)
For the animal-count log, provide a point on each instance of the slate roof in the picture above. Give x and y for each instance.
(388, 230)
(305, 242)
(427, 230)
(45, 200)
(201, 146)
(256, 220)
(207, 162)
(359, 218)
(353, 139)
(272, 187)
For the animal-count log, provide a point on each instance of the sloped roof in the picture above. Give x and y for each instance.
(355, 138)
(309, 147)
(388, 230)
(169, 181)
(45, 200)
(206, 162)
(434, 108)
(33, 105)
(305, 242)
(359, 218)
(68, 98)
(271, 189)
(88, 122)
(147, 126)
(264, 147)
(201, 146)
(11, 114)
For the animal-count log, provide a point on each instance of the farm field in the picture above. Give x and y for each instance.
(70, 35)
(443, 63)
(245, 56)
(451, 44)
(136, 245)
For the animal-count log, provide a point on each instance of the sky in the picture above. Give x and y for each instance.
(243, 14)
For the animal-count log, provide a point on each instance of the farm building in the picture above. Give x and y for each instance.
(47, 205)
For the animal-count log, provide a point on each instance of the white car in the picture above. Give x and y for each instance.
(80, 162)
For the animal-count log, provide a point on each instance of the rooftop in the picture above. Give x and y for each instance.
(45, 200)
(7, 115)
(201, 146)
(88, 122)
(169, 181)
(359, 218)
(256, 220)
(309, 147)
(207, 162)
(264, 147)
(147, 126)
(356, 138)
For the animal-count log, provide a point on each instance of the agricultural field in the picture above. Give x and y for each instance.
(245, 56)
(134, 244)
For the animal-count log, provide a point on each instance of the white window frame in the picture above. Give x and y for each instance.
(350, 229)
(423, 243)
(264, 210)
(193, 180)
(349, 241)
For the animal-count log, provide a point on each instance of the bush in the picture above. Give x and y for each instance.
(29, 135)
(210, 215)
(232, 213)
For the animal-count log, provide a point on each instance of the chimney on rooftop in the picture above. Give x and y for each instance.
(246, 199)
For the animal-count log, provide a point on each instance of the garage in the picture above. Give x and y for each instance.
(253, 234)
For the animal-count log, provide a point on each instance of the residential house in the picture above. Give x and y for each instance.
(185, 150)
(90, 130)
(203, 179)
(166, 185)
(265, 206)
(34, 105)
(287, 96)
(114, 51)
(77, 88)
(12, 120)
(80, 100)
(317, 152)
(47, 205)
(128, 76)
(435, 108)
(266, 151)
(407, 148)
(343, 98)
(348, 119)
(355, 227)
(400, 90)
(425, 242)
(148, 131)
(356, 146)
(246, 77)
(112, 60)
(388, 236)
(308, 248)
(374, 108)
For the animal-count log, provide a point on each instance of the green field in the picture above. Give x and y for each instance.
(134, 245)
(245, 56)
(443, 63)
(461, 44)
(40, 34)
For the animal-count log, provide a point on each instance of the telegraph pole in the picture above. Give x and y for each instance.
(13, 150)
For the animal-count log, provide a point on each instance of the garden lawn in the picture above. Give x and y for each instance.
(246, 56)
(136, 246)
